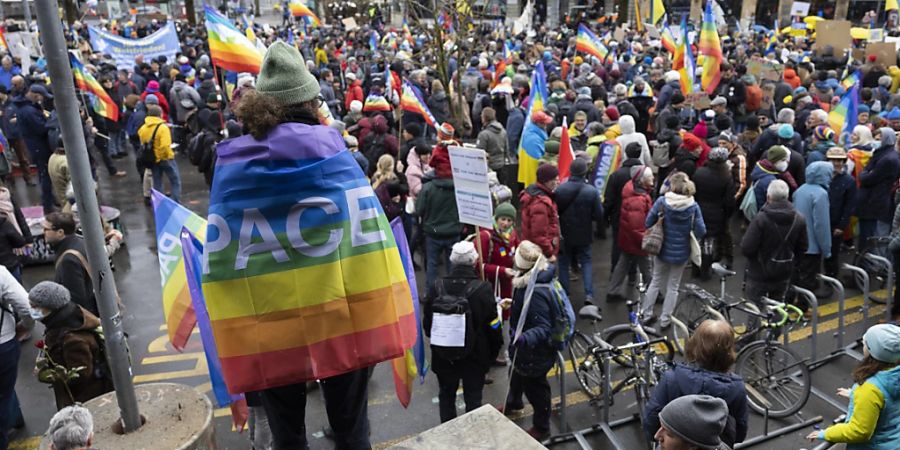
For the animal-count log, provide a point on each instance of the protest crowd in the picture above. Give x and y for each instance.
(713, 145)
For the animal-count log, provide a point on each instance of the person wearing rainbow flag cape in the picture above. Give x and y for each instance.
(309, 310)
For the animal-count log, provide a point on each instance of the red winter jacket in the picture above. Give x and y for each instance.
(354, 92)
(635, 206)
(540, 220)
(499, 255)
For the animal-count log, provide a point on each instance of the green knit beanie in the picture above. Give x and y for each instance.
(285, 77)
(777, 153)
(505, 209)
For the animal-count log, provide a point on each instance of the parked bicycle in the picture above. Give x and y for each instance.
(774, 370)
(653, 355)
(698, 304)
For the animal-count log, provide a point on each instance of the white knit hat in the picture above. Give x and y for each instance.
(464, 254)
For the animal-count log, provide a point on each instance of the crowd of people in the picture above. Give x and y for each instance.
(755, 164)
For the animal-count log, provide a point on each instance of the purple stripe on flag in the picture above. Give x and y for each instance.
(406, 256)
(291, 141)
(192, 249)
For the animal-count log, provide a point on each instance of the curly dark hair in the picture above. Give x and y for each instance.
(260, 113)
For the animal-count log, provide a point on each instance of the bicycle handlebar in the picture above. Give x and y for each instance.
(784, 311)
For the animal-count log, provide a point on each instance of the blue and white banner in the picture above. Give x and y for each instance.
(163, 42)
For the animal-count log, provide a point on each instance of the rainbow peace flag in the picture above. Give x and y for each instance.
(843, 117)
(587, 42)
(412, 363)
(192, 251)
(304, 280)
(684, 61)
(411, 101)
(229, 48)
(531, 144)
(103, 105)
(851, 80)
(375, 102)
(170, 218)
(300, 10)
(711, 50)
(667, 39)
(373, 41)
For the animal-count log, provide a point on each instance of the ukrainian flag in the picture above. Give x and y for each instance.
(530, 149)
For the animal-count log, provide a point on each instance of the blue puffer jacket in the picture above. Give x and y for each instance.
(874, 199)
(811, 201)
(690, 380)
(762, 178)
(538, 352)
(679, 212)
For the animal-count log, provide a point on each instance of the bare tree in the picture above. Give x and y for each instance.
(441, 44)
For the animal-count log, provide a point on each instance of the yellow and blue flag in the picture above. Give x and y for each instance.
(531, 144)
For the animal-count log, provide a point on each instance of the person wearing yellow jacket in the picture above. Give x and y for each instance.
(873, 417)
(155, 129)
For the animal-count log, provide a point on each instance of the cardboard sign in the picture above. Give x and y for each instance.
(652, 31)
(893, 40)
(470, 183)
(835, 33)
(350, 23)
(698, 100)
(768, 91)
(762, 68)
(619, 34)
(800, 9)
(885, 52)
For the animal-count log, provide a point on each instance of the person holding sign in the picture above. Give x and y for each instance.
(499, 246)
(460, 318)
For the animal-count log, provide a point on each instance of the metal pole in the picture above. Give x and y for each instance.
(27, 5)
(77, 157)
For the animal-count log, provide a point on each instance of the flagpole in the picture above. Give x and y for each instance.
(219, 112)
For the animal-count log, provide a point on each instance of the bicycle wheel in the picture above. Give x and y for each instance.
(687, 316)
(623, 334)
(777, 374)
(878, 272)
(588, 370)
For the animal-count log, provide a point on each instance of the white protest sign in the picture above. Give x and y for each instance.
(800, 9)
(470, 182)
(448, 330)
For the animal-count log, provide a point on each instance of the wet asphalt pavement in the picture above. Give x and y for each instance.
(138, 281)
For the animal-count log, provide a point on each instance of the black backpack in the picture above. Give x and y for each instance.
(781, 260)
(147, 155)
(373, 150)
(195, 148)
(446, 311)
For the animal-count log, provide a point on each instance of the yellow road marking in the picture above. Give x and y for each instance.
(25, 444)
(200, 367)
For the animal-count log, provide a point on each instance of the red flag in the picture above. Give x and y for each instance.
(566, 156)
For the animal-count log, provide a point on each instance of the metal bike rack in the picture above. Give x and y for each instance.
(842, 350)
(889, 296)
(766, 436)
(813, 363)
(865, 278)
(604, 426)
